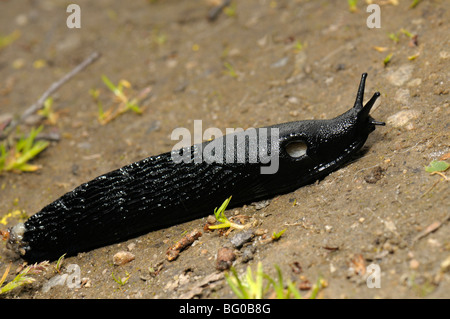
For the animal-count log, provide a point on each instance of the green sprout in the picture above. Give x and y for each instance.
(158, 37)
(387, 59)
(298, 46)
(414, 4)
(437, 166)
(118, 92)
(407, 33)
(121, 281)
(59, 263)
(280, 291)
(125, 103)
(230, 10)
(222, 219)
(48, 112)
(6, 40)
(394, 37)
(230, 70)
(23, 277)
(253, 286)
(352, 5)
(276, 236)
(25, 149)
(248, 287)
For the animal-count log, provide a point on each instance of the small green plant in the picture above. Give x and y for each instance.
(230, 70)
(158, 38)
(254, 286)
(48, 113)
(121, 281)
(59, 263)
(120, 95)
(125, 103)
(6, 40)
(387, 59)
(414, 4)
(24, 150)
(24, 277)
(222, 219)
(248, 287)
(407, 33)
(298, 46)
(394, 37)
(230, 10)
(437, 166)
(352, 5)
(276, 236)
(280, 292)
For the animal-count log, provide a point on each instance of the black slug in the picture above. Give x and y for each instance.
(189, 183)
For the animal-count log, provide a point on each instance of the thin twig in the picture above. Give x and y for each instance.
(52, 89)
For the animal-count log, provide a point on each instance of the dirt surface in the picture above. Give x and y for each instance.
(260, 63)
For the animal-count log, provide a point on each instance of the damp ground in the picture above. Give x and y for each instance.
(255, 64)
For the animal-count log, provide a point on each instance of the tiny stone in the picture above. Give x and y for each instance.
(241, 238)
(211, 219)
(401, 75)
(332, 268)
(402, 118)
(444, 55)
(402, 96)
(122, 257)
(280, 63)
(261, 204)
(413, 264)
(248, 253)
(415, 82)
(445, 265)
(259, 232)
(225, 258)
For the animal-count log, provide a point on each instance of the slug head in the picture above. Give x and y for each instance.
(364, 120)
(328, 143)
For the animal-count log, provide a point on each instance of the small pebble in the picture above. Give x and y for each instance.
(260, 232)
(445, 265)
(401, 75)
(122, 257)
(402, 118)
(413, 264)
(261, 204)
(225, 258)
(248, 253)
(211, 219)
(241, 238)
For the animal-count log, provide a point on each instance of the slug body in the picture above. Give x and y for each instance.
(158, 192)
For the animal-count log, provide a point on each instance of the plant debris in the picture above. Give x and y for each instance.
(173, 251)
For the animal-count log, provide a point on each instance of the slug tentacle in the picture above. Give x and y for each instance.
(158, 191)
(360, 95)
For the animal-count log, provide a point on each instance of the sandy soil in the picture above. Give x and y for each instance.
(266, 62)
